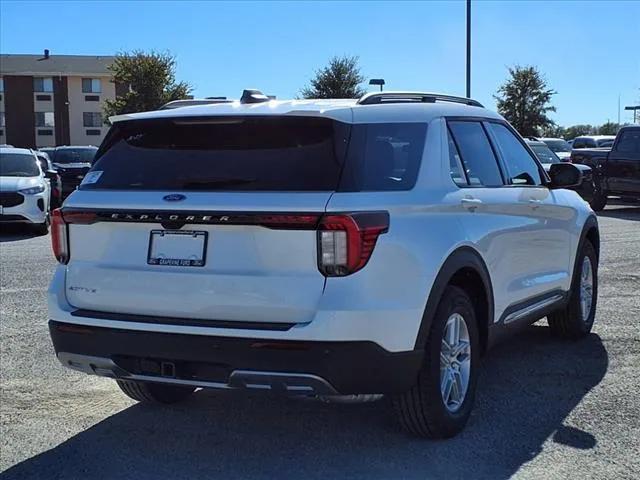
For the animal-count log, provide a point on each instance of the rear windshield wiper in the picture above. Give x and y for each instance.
(197, 184)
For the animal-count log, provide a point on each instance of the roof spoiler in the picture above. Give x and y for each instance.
(414, 97)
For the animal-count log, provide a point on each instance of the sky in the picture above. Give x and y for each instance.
(589, 52)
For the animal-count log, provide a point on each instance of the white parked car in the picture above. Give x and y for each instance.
(24, 189)
(560, 147)
(318, 247)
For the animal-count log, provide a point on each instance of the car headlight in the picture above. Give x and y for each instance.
(32, 190)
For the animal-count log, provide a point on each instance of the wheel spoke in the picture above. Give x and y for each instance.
(458, 390)
(446, 385)
(461, 349)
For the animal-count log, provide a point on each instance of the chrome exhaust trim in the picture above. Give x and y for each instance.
(278, 382)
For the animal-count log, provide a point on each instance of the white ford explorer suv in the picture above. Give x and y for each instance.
(317, 247)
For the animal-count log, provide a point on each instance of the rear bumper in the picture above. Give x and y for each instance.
(293, 367)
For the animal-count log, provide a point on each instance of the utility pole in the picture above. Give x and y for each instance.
(468, 48)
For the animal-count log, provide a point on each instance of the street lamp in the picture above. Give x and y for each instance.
(635, 108)
(377, 81)
(468, 48)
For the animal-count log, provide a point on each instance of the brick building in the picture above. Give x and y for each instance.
(49, 100)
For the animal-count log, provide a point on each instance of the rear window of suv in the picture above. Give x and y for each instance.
(73, 155)
(268, 153)
(222, 153)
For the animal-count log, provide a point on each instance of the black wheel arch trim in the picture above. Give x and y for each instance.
(463, 257)
(590, 224)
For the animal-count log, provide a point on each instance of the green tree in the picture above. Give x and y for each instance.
(577, 130)
(150, 78)
(554, 131)
(340, 79)
(609, 128)
(524, 100)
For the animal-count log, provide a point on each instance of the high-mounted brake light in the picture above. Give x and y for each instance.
(346, 241)
(59, 241)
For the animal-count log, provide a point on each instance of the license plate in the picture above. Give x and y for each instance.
(178, 248)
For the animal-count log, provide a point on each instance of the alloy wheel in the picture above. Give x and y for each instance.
(455, 362)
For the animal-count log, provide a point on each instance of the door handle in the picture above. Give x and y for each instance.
(471, 203)
(535, 203)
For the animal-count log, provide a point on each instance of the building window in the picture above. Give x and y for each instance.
(43, 98)
(45, 133)
(44, 119)
(92, 119)
(91, 85)
(43, 84)
(2, 119)
(92, 98)
(93, 132)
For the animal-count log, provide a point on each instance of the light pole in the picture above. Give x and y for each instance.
(635, 108)
(377, 81)
(468, 48)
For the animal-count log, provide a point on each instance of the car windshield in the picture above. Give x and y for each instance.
(74, 155)
(558, 145)
(18, 165)
(544, 154)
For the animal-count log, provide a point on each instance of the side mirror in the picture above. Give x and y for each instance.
(50, 174)
(564, 175)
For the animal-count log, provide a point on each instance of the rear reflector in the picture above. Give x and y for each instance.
(346, 241)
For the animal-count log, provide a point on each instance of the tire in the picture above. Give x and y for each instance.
(42, 228)
(598, 200)
(154, 392)
(422, 410)
(572, 321)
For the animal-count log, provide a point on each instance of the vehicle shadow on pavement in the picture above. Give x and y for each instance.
(623, 213)
(13, 233)
(529, 386)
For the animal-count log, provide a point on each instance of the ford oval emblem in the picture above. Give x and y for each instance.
(174, 197)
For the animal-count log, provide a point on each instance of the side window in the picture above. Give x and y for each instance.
(455, 163)
(383, 156)
(477, 155)
(629, 142)
(523, 169)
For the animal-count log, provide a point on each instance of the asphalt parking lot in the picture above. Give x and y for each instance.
(545, 408)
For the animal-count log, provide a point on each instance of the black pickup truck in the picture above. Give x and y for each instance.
(616, 170)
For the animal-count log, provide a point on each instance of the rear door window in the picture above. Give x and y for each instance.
(522, 168)
(579, 143)
(629, 141)
(384, 156)
(455, 163)
(222, 153)
(477, 155)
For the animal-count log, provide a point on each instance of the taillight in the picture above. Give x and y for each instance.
(59, 239)
(60, 230)
(346, 241)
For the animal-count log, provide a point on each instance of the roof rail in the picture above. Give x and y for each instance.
(411, 97)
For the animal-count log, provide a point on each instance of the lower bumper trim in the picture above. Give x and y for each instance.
(292, 367)
(279, 382)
